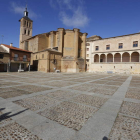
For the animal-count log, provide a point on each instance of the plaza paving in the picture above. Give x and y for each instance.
(82, 106)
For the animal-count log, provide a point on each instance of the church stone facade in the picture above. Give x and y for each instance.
(63, 50)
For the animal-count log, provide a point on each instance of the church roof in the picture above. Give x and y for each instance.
(25, 17)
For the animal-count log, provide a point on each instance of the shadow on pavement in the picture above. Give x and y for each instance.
(7, 115)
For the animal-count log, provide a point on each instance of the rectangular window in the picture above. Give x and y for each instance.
(25, 32)
(24, 58)
(87, 55)
(87, 60)
(1, 56)
(16, 57)
(135, 44)
(107, 47)
(96, 48)
(87, 44)
(87, 49)
(120, 45)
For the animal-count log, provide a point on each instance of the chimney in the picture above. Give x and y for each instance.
(11, 44)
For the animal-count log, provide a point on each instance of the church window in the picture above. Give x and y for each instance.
(28, 32)
(120, 45)
(96, 48)
(25, 31)
(24, 23)
(107, 47)
(135, 44)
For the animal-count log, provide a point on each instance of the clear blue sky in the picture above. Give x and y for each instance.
(106, 18)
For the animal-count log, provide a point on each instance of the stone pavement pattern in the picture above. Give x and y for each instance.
(82, 106)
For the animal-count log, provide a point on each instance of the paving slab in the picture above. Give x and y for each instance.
(79, 106)
(100, 125)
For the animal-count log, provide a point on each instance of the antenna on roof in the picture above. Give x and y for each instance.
(26, 4)
(2, 36)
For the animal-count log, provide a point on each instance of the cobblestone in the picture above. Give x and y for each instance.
(36, 102)
(5, 89)
(102, 91)
(60, 94)
(114, 83)
(4, 119)
(13, 93)
(59, 83)
(90, 100)
(3, 84)
(85, 87)
(33, 88)
(14, 131)
(133, 93)
(69, 114)
(130, 108)
(100, 82)
(125, 128)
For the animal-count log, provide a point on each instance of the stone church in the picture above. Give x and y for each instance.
(62, 50)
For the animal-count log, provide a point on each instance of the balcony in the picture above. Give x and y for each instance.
(16, 58)
(25, 59)
(20, 59)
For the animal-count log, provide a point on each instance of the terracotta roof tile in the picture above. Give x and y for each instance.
(14, 48)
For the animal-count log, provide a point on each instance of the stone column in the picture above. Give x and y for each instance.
(8, 66)
(113, 58)
(92, 61)
(99, 58)
(130, 56)
(61, 39)
(29, 67)
(20, 66)
(139, 57)
(76, 41)
(106, 58)
(121, 57)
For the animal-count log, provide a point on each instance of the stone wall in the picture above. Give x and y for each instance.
(5, 59)
(33, 44)
(127, 68)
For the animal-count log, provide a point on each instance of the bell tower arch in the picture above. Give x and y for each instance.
(26, 27)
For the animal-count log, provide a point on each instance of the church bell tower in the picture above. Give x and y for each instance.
(26, 25)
